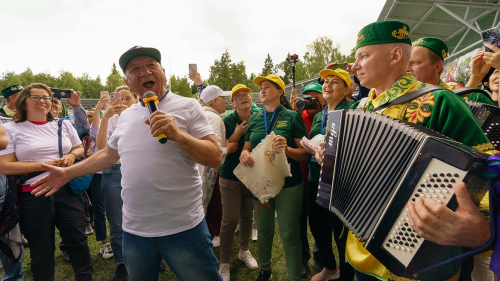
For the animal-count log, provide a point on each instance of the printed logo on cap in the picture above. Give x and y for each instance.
(402, 33)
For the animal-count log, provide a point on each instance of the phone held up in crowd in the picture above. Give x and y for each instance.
(60, 94)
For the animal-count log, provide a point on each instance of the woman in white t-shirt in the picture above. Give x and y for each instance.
(33, 140)
(111, 187)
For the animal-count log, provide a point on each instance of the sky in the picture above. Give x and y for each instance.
(81, 36)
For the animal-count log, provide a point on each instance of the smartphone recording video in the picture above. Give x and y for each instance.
(115, 96)
(60, 94)
(193, 68)
(491, 36)
(105, 94)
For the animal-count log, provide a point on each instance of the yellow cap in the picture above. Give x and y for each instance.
(271, 77)
(239, 87)
(342, 74)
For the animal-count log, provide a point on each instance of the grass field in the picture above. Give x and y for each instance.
(104, 268)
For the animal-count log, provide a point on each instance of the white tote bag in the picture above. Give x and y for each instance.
(267, 176)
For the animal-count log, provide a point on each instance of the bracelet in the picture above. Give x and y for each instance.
(76, 156)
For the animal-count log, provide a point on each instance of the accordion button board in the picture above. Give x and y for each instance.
(492, 131)
(488, 117)
(435, 183)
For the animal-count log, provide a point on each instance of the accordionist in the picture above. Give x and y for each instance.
(382, 55)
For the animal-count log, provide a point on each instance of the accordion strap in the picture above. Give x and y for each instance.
(408, 97)
(468, 90)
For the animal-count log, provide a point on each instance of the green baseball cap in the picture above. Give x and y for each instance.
(255, 107)
(138, 51)
(383, 32)
(313, 87)
(436, 45)
(9, 91)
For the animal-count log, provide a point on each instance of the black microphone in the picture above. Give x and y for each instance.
(151, 100)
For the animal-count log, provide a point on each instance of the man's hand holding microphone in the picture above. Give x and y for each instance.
(161, 124)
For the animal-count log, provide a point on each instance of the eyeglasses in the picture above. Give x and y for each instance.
(37, 98)
(240, 96)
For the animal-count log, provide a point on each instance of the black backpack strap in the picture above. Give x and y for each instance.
(468, 90)
(59, 136)
(408, 97)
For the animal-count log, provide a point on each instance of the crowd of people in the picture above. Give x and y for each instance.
(173, 202)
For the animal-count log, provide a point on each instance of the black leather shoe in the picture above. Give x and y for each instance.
(304, 270)
(265, 275)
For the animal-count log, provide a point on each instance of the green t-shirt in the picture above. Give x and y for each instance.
(289, 125)
(314, 167)
(233, 159)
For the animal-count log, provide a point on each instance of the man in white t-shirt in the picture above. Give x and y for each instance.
(162, 209)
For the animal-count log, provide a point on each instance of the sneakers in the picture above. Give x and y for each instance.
(216, 241)
(121, 273)
(327, 275)
(254, 234)
(65, 255)
(265, 275)
(106, 251)
(246, 257)
(224, 271)
(88, 228)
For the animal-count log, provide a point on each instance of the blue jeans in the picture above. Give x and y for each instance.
(98, 209)
(111, 191)
(189, 254)
(12, 271)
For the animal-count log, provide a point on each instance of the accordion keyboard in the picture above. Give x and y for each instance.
(492, 131)
(437, 183)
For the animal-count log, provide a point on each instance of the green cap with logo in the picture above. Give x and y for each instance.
(436, 45)
(383, 32)
(9, 91)
(255, 107)
(313, 87)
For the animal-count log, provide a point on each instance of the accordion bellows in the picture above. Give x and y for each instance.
(488, 118)
(373, 165)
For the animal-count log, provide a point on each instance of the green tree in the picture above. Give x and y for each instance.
(91, 88)
(67, 81)
(226, 74)
(181, 86)
(46, 79)
(220, 72)
(238, 73)
(10, 78)
(301, 72)
(115, 79)
(322, 52)
(250, 84)
(268, 66)
(27, 77)
(194, 90)
(286, 67)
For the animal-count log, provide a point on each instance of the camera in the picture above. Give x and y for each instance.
(293, 58)
(307, 103)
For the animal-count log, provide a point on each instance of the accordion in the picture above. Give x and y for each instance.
(488, 117)
(373, 165)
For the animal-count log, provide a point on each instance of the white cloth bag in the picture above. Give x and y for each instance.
(267, 176)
